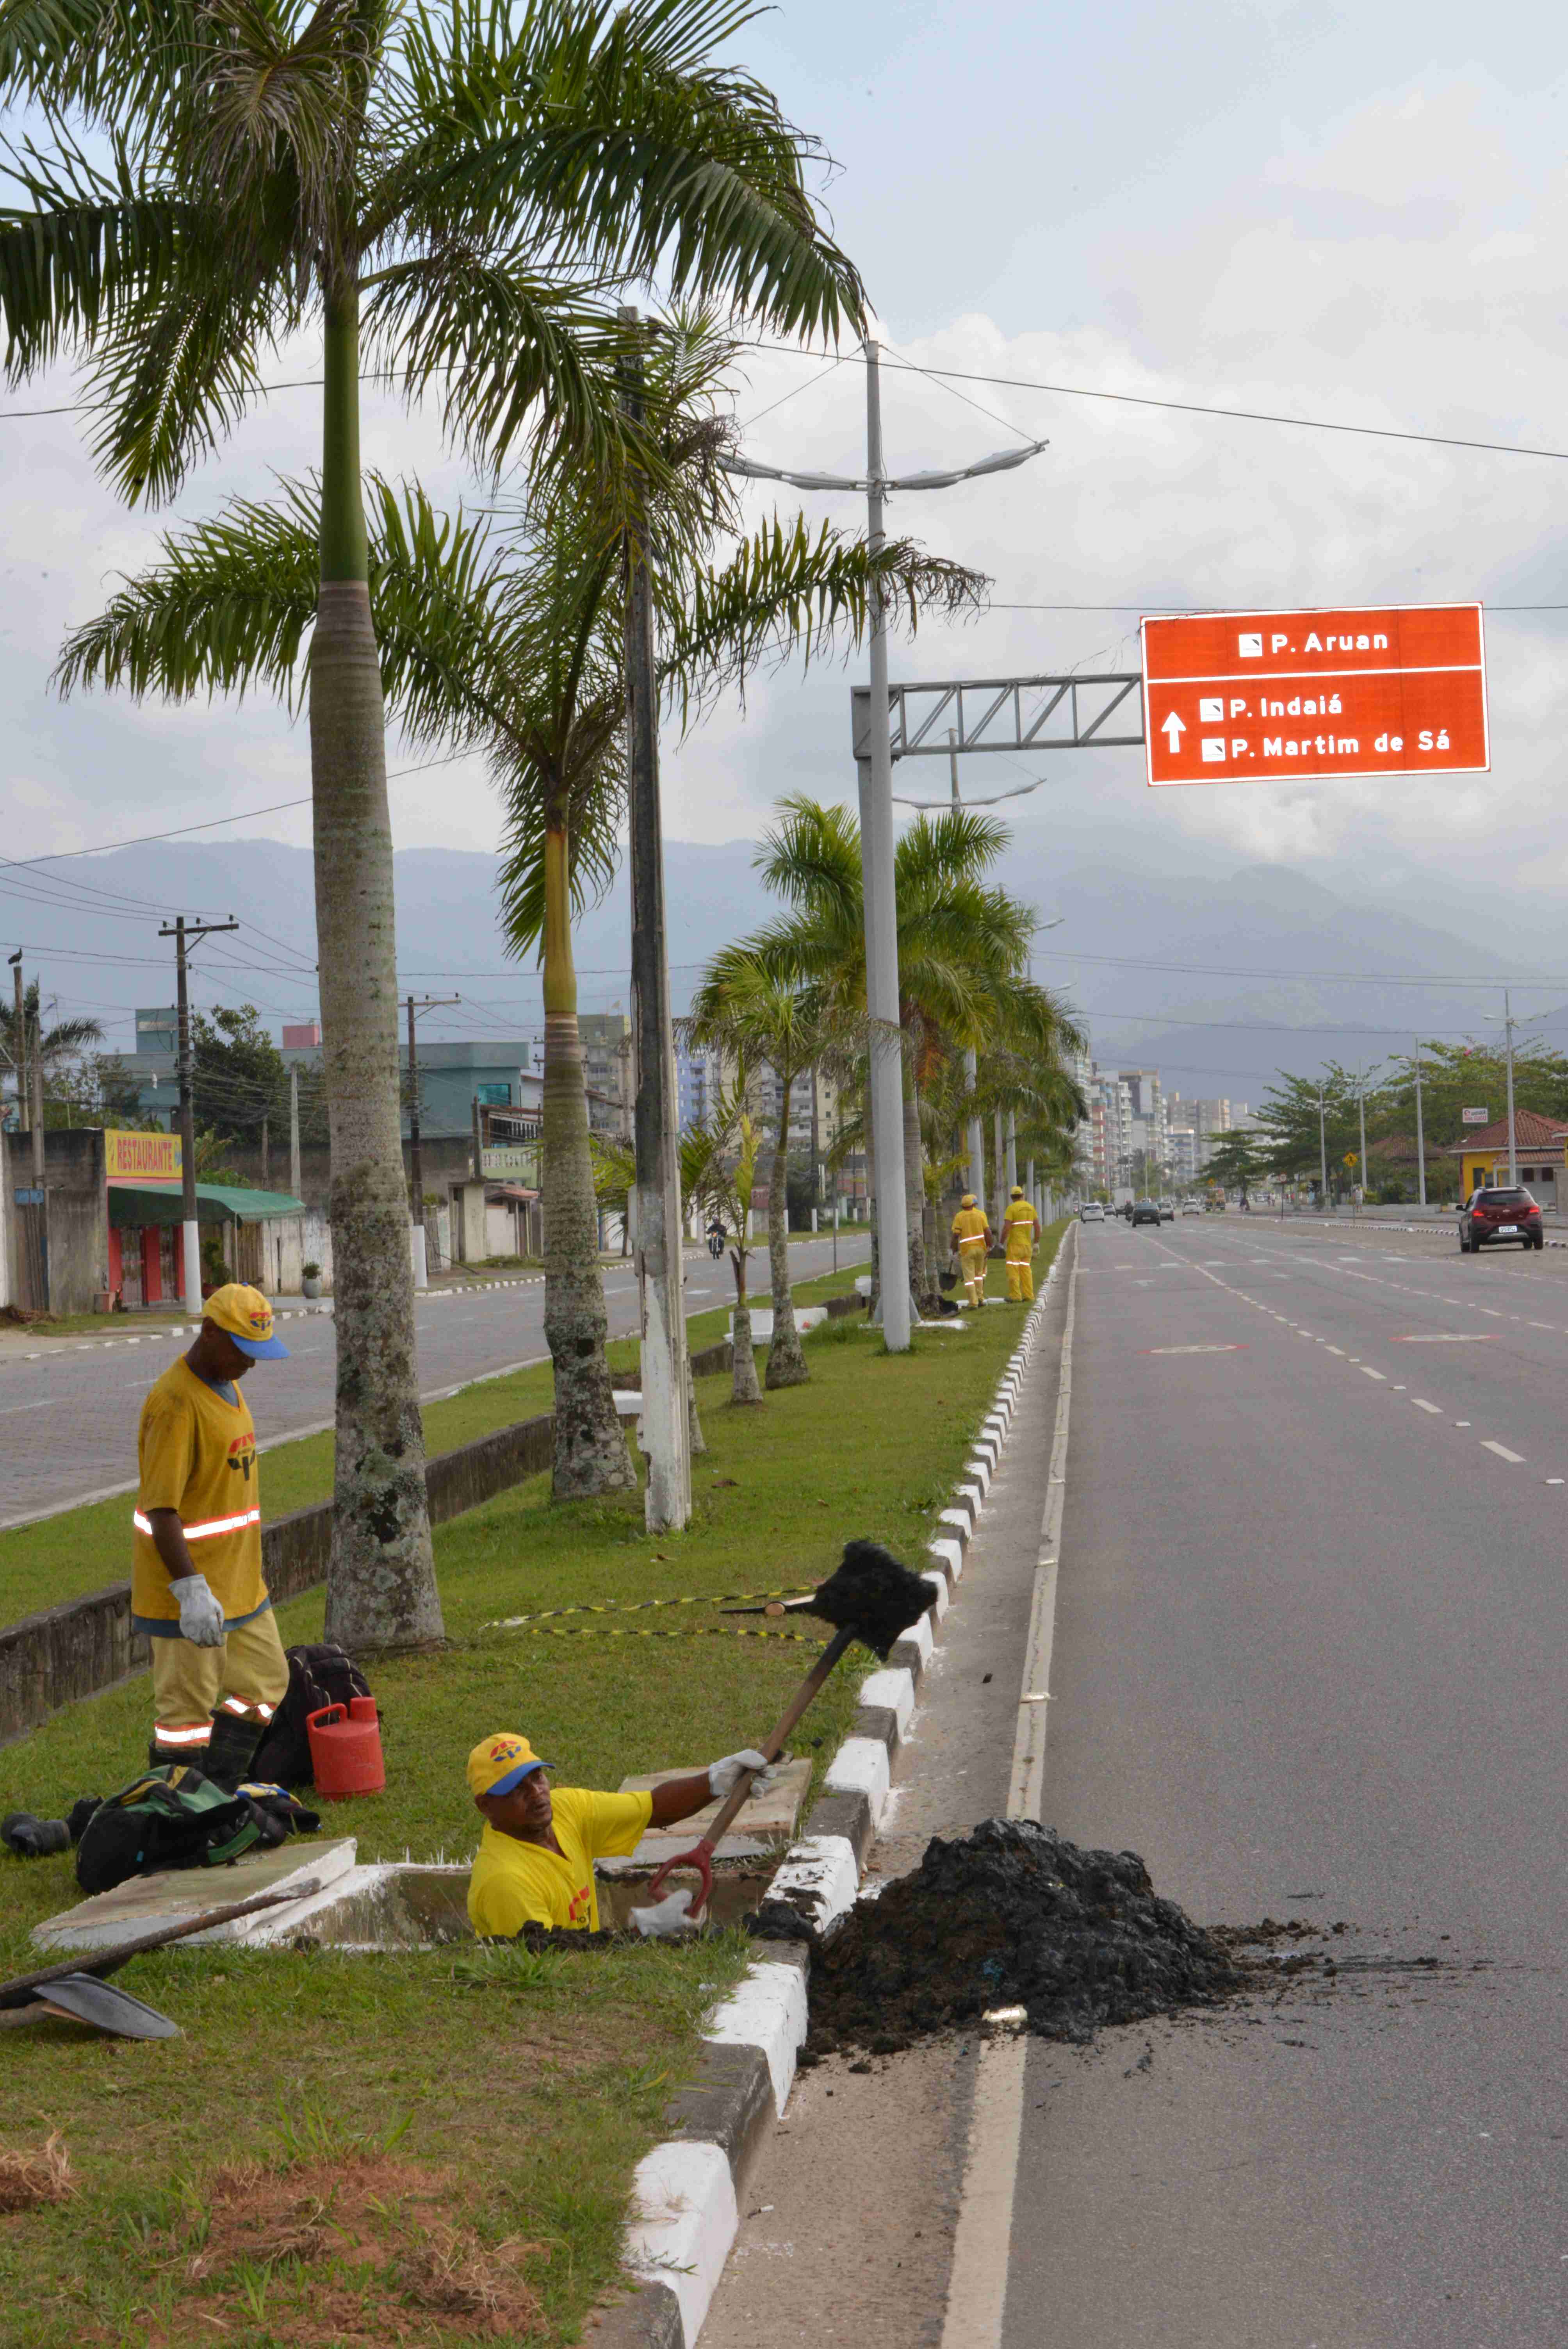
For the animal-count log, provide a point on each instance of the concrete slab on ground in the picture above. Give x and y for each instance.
(147, 1904)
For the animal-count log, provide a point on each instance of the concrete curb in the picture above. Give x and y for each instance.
(687, 2190)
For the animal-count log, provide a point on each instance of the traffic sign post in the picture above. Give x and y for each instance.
(1245, 697)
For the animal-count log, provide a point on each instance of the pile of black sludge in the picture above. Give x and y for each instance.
(1012, 1915)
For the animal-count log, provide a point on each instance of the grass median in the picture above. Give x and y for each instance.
(81, 1549)
(498, 2104)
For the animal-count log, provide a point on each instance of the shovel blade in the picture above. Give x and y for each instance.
(105, 2007)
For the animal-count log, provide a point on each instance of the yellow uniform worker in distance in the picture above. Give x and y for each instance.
(972, 1238)
(535, 1862)
(1021, 1227)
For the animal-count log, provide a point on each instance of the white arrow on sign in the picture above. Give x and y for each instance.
(1174, 730)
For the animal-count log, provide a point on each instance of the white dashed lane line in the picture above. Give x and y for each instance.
(1502, 1452)
(1436, 1407)
(1372, 1374)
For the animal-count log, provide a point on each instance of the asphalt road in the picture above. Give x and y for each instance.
(68, 1417)
(1308, 1660)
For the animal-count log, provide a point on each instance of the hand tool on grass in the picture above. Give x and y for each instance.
(869, 1597)
(75, 1986)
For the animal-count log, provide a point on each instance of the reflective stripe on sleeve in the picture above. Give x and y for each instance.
(204, 1532)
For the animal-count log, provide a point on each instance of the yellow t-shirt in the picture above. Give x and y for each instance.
(197, 1453)
(969, 1223)
(1019, 1226)
(514, 1884)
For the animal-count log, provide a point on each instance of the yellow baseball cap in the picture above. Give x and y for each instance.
(499, 1763)
(244, 1315)
(967, 1200)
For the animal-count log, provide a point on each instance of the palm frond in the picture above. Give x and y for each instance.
(91, 244)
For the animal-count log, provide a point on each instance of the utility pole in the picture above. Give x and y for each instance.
(293, 1132)
(266, 1166)
(23, 1112)
(656, 1197)
(1322, 1153)
(1513, 1145)
(186, 935)
(416, 1158)
(1361, 1112)
(971, 1065)
(1420, 1135)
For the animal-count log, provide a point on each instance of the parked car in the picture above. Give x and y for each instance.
(1192, 1206)
(1092, 1211)
(1502, 1213)
(1145, 1211)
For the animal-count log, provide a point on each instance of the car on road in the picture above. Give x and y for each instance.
(1500, 1215)
(1167, 1211)
(1145, 1211)
(1192, 1206)
(1092, 1211)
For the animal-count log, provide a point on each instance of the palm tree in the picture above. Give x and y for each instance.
(963, 946)
(458, 194)
(718, 1176)
(32, 1045)
(757, 1015)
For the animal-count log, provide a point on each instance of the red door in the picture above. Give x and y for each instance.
(151, 1265)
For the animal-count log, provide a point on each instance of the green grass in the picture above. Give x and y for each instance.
(542, 2089)
(82, 1549)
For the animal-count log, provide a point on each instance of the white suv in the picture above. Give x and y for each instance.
(1092, 1211)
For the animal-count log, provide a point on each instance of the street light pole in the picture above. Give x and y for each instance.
(1322, 1152)
(1420, 1135)
(881, 909)
(1513, 1145)
(1361, 1112)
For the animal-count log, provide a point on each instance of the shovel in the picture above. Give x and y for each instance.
(82, 1998)
(870, 1598)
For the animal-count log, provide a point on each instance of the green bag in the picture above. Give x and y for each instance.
(171, 1816)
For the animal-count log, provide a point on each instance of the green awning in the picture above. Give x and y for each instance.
(216, 1203)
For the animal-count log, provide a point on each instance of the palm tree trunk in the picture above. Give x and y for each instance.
(695, 1436)
(786, 1357)
(744, 1388)
(381, 1582)
(591, 1454)
(915, 1196)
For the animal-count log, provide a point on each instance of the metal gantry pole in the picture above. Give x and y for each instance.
(1512, 1141)
(1420, 1133)
(880, 903)
(971, 1064)
(666, 1420)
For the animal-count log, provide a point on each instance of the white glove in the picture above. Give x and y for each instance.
(200, 1617)
(667, 1918)
(724, 1776)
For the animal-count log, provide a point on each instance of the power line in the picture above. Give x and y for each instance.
(1358, 978)
(1197, 408)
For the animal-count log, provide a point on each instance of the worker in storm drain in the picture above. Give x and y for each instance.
(535, 1859)
(972, 1238)
(1021, 1227)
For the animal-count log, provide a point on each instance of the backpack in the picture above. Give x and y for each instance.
(318, 1676)
(170, 1817)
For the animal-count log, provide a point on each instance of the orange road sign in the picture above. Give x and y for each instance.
(1265, 697)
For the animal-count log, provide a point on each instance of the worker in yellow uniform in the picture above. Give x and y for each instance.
(535, 1859)
(196, 1587)
(1021, 1231)
(972, 1238)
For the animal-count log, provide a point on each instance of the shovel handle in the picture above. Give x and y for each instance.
(700, 1855)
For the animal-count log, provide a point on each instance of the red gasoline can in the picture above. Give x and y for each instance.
(346, 1749)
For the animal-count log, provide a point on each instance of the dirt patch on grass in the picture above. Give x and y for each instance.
(348, 2250)
(33, 2175)
(1012, 1916)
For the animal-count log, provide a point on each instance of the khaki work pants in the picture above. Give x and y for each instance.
(1020, 1281)
(972, 1256)
(248, 1674)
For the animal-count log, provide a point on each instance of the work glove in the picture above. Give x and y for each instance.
(724, 1776)
(667, 1918)
(200, 1617)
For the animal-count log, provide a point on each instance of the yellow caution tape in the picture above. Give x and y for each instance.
(635, 1631)
(634, 1605)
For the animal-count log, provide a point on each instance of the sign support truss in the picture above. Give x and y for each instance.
(1074, 711)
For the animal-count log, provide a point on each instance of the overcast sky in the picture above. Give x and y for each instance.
(1356, 215)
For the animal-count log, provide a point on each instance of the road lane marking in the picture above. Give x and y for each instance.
(1461, 1422)
(1337, 1349)
(1193, 1350)
(1554, 1479)
(1368, 1373)
(1447, 1337)
(12, 1409)
(1434, 1407)
(1502, 1451)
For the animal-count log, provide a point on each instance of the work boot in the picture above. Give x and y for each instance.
(161, 1757)
(34, 1839)
(231, 1749)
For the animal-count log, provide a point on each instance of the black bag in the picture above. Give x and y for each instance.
(318, 1676)
(170, 1817)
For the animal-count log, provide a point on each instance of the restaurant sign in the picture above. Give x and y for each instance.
(141, 1157)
